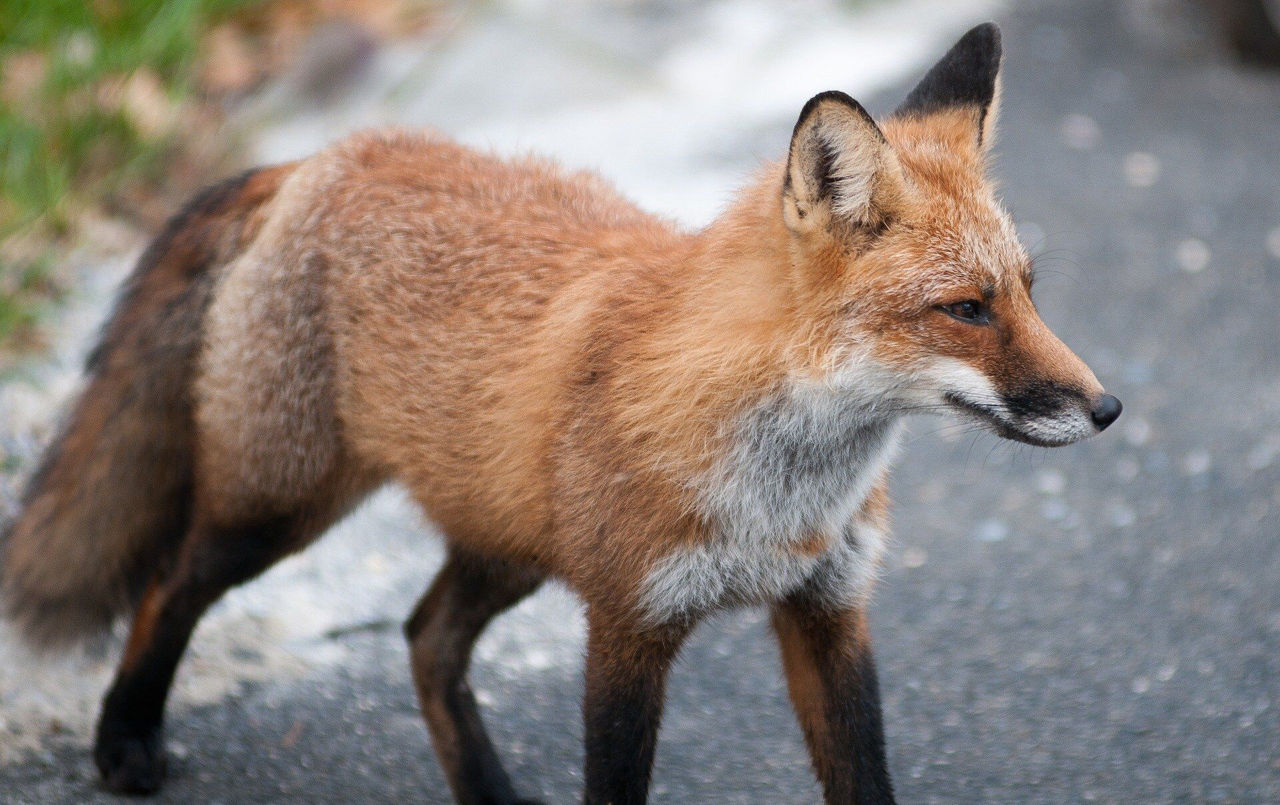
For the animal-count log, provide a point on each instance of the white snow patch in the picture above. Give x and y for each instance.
(668, 129)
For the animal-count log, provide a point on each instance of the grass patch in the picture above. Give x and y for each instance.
(94, 95)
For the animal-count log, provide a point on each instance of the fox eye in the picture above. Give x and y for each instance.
(969, 310)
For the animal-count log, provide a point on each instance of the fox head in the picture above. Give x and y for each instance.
(896, 232)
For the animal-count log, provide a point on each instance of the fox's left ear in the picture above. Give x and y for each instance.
(842, 176)
(966, 78)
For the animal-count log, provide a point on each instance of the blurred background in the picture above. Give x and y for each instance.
(1095, 623)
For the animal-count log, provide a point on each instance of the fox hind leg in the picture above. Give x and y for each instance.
(128, 749)
(466, 595)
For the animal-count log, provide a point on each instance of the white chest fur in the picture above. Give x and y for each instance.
(798, 471)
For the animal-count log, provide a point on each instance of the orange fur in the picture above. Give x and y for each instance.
(550, 370)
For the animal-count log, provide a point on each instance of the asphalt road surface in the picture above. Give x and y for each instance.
(1099, 622)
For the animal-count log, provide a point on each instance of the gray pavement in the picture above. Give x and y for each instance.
(1099, 622)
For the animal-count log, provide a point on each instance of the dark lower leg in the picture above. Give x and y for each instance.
(832, 677)
(128, 749)
(466, 595)
(626, 682)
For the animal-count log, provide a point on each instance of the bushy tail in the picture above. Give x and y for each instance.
(112, 495)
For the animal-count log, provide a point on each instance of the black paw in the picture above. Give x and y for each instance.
(130, 758)
(529, 801)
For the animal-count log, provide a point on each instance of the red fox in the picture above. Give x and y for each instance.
(671, 422)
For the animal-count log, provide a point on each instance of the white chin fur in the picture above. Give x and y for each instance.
(1057, 431)
(946, 380)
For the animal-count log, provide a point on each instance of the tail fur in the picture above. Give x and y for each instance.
(111, 497)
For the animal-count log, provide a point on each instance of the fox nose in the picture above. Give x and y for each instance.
(1105, 411)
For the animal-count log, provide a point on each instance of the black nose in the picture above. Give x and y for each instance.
(1106, 411)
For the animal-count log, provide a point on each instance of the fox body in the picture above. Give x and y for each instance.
(671, 422)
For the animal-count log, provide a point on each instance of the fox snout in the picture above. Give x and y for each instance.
(1047, 403)
(1067, 408)
(1049, 414)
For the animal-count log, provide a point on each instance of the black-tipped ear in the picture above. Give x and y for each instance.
(966, 76)
(839, 166)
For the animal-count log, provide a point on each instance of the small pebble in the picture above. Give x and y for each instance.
(1137, 431)
(1121, 516)
(1080, 132)
(1127, 469)
(1141, 169)
(1054, 511)
(1197, 462)
(991, 531)
(1273, 243)
(1192, 255)
(1051, 482)
(914, 557)
(1262, 455)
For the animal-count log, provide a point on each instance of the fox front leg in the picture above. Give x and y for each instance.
(627, 667)
(832, 677)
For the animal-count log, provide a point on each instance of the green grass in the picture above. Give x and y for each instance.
(20, 308)
(65, 144)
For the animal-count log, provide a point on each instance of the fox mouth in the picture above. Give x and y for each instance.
(999, 425)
